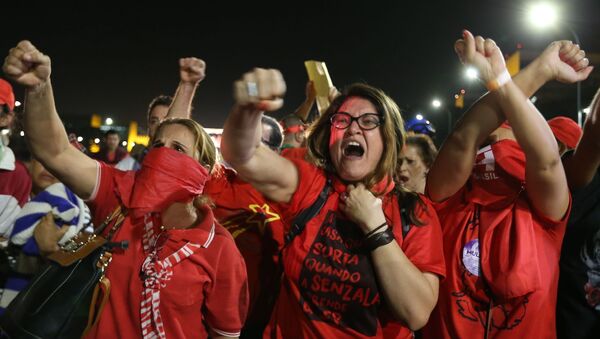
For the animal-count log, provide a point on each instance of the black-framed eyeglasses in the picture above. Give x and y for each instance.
(367, 121)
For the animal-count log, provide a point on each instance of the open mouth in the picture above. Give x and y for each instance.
(403, 179)
(353, 149)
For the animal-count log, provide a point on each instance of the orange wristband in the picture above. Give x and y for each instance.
(500, 81)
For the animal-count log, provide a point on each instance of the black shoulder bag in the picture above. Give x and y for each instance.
(66, 298)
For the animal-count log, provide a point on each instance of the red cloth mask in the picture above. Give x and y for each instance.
(166, 176)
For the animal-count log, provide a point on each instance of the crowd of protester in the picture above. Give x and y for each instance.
(332, 225)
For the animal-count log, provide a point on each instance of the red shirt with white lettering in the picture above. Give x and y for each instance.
(207, 290)
(330, 289)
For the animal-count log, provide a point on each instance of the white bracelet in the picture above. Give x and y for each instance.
(500, 81)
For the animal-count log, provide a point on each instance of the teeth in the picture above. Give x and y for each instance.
(353, 143)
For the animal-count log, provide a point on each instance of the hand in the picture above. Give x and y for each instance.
(261, 89)
(565, 62)
(26, 65)
(482, 54)
(47, 235)
(333, 93)
(192, 70)
(310, 91)
(362, 207)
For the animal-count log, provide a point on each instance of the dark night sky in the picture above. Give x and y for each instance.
(113, 60)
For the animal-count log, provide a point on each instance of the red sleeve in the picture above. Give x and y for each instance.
(103, 200)
(22, 183)
(226, 303)
(311, 181)
(423, 244)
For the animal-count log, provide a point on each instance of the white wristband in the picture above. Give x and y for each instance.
(500, 81)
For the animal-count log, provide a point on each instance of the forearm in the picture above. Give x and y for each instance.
(583, 165)
(303, 110)
(409, 295)
(529, 126)
(454, 162)
(181, 107)
(241, 136)
(472, 130)
(45, 132)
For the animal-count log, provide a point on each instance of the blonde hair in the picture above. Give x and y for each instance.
(392, 131)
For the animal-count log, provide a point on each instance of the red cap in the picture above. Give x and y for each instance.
(565, 130)
(7, 97)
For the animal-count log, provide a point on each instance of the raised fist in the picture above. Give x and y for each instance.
(261, 88)
(565, 61)
(192, 70)
(26, 65)
(482, 54)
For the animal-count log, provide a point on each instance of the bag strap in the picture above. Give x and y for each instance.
(119, 213)
(307, 214)
(296, 229)
(99, 299)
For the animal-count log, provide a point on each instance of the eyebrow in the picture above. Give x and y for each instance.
(180, 144)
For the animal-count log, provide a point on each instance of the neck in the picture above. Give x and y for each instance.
(181, 216)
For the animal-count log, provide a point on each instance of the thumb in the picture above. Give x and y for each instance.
(270, 105)
(62, 231)
(584, 73)
(49, 217)
(459, 48)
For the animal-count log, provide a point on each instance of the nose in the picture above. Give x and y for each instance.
(354, 128)
(403, 166)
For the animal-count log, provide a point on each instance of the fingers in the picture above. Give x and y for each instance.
(569, 50)
(480, 45)
(48, 218)
(36, 57)
(192, 69)
(470, 47)
(26, 65)
(489, 47)
(62, 231)
(263, 88)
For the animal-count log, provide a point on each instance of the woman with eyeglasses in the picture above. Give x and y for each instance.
(348, 269)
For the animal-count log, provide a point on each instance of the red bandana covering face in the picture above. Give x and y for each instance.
(166, 176)
(506, 240)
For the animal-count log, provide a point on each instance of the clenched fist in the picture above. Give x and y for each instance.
(26, 65)
(261, 88)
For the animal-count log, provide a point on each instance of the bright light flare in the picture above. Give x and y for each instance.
(542, 15)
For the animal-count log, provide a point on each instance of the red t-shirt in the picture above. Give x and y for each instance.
(208, 289)
(15, 189)
(520, 256)
(330, 288)
(257, 229)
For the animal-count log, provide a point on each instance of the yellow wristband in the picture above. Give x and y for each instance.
(500, 81)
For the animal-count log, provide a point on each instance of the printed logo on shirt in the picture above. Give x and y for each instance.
(257, 216)
(590, 255)
(485, 164)
(337, 281)
(470, 257)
